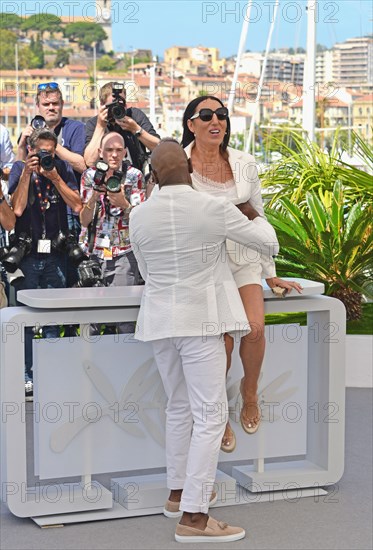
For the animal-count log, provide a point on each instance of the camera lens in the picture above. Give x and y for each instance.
(38, 122)
(118, 111)
(46, 160)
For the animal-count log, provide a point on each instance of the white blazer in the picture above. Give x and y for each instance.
(178, 238)
(245, 174)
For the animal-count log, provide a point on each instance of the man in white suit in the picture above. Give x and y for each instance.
(190, 299)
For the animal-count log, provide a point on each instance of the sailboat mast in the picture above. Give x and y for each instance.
(309, 106)
(241, 46)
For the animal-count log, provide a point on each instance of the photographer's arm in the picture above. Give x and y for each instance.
(20, 195)
(22, 144)
(91, 152)
(130, 125)
(87, 212)
(7, 216)
(76, 161)
(70, 196)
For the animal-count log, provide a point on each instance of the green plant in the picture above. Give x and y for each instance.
(327, 242)
(305, 167)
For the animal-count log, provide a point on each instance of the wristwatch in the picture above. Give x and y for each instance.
(139, 132)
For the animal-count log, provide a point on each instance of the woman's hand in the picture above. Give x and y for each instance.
(284, 287)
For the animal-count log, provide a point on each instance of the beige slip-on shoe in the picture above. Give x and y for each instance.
(215, 531)
(171, 509)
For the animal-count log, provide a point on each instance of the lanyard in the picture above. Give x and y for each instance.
(43, 203)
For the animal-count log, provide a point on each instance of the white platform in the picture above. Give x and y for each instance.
(103, 414)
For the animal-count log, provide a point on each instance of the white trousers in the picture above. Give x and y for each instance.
(193, 374)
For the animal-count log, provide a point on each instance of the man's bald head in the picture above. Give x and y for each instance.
(111, 136)
(170, 164)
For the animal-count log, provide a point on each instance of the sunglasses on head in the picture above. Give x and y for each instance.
(206, 114)
(46, 85)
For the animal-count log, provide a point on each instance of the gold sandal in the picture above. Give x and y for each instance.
(249, 427)
(228, 443)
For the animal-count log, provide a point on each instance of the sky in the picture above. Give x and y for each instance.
(160, 24)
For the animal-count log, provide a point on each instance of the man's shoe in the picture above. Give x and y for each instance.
(29, 391)
(172, 509)
(215, 531)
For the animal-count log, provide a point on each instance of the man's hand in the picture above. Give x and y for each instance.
(52, 175)
(25, 135)
(118, 200)
(31, 164)
(102, 116)
(248, 210)
(127, 123)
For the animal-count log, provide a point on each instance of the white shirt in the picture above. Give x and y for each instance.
(178, 238)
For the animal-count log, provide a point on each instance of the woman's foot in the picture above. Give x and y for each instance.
(250, 415)
(228, 443)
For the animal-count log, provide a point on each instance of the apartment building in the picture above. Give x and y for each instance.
(353, 62)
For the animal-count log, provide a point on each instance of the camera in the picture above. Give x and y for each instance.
(38, 122)
(13, 258)
(46, 160)
(113, 183)
(99, 176)
(117, 109)
(90, 274)
(67, 243)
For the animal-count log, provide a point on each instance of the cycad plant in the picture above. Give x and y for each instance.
(305, 167)
(327, 242)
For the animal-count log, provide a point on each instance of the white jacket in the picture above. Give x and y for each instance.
(245, 174)
(178, 238)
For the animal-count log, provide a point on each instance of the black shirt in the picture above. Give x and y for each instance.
(136, 149)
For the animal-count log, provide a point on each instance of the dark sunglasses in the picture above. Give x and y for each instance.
(46, 85)
(206, 114)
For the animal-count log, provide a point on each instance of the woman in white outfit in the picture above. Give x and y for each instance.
(223, 171)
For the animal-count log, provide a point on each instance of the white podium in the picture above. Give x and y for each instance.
(99, 405)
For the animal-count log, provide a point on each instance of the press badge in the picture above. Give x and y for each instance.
(103, 242)
(44, 246)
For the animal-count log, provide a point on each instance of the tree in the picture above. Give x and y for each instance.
(62, 57)
(10, 21)
(7, 48)
(305, 167)
(85, 33)
(42, 22)
(328, 243)
(105, 63)
(37, 54)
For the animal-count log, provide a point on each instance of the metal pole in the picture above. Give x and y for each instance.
(152, 94)
(95, 74)
(241, 46)
(261, 80)
(309, 107)
(18, 94)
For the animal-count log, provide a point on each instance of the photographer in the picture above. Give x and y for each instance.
(42, 188)
(7, 222)
(70, 143)
(108, 195)
(134, 126)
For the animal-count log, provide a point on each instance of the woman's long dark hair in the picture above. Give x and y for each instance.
(188, 136)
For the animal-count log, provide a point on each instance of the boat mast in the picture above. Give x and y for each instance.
(309, 78)
(261, 80)
(241, 46)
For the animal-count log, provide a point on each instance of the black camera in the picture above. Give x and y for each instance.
(66, 242)
(117, 109)
(38, 122)
(13, 258)
(113, 183)
(99, 176)
(46, 160)
(90, 274)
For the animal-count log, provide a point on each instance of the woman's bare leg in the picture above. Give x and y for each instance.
(252, 349)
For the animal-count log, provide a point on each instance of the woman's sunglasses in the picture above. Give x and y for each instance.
(206, 114)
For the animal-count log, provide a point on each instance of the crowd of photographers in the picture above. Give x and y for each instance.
(65, 200)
